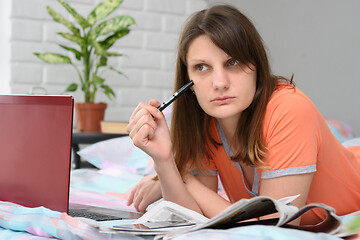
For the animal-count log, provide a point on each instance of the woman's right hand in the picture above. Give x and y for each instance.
(149, 131)
(146, 192)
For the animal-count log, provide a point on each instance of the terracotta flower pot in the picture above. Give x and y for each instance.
(89, 116)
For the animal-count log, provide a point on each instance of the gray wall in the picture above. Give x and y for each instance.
(150, 48)
(318, 41)
(4, 46)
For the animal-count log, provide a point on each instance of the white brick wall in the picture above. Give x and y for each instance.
(150, 50)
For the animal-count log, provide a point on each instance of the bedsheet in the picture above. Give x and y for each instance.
(119, 166)
(92, 186)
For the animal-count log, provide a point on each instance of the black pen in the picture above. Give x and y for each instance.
(175, 95)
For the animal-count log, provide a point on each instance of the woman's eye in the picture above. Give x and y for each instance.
(201, 67)
(233, 62)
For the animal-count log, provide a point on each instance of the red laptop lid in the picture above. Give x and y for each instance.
(35, 150)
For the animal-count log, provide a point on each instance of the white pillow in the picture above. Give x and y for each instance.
(118, 153)
(121, 153)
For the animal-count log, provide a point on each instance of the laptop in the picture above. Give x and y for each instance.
(35, 155)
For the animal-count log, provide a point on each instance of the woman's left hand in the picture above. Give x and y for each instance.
(147, 191)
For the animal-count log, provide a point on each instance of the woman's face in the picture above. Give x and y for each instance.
(223, 86)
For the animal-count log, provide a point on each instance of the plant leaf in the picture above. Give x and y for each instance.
(113, 54)
(119, 72)
(79, 19)
(60, 19)
(103, 61)
(71, 88)
(109, 41)
(99, 50)
(85, 88)
(73, 38)
(102, 10)
(114, 24)
(53, 58)
(108, 91)
(97, 80)
(78, 54)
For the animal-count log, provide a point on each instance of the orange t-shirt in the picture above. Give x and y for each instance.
(298, 141)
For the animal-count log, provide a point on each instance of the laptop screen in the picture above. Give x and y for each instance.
(35, 150)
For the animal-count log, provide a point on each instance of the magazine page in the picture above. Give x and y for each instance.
(169, 219)
(140, 229)
(172, 212)
(331, 224)
(246, 209)
(163, 218)
(256, 207)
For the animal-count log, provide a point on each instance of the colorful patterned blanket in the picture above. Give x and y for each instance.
(117, 170)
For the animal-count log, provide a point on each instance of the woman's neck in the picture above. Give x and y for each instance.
(229, 126)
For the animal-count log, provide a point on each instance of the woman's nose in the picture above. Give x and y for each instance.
(220, 79)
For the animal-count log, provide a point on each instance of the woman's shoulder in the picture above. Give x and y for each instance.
(287, 91)
(289, 97)
(288, 104)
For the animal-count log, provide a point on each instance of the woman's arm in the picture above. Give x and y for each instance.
(288, 186)
(149, 131)
(173, 187)
(204, 190)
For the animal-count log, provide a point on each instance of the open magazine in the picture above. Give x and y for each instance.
(169, 219)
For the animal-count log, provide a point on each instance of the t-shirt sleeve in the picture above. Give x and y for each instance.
(208, 165)
(291, 135)
(209, 168)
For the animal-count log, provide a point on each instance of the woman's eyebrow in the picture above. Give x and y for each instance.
(196, 60)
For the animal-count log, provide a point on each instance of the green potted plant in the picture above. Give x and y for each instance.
(93, 38)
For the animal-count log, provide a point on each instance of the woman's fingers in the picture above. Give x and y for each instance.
(143, 200)
(131, 197)
(145, 112)
(143, 130)
(154, 103)
(139, 202)
(151, 107)
(142, 206)
(144, 193)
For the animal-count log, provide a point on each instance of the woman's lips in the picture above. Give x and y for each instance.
(222, 100)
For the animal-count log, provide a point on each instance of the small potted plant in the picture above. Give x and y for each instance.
(93, 38)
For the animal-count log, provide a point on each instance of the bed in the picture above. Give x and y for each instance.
(108, 184)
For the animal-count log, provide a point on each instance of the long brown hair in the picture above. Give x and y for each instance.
(234, 33)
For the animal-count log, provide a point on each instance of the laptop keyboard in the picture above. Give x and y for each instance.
(92, 215)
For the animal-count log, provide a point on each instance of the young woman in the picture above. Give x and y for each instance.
(257, 131)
